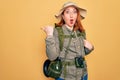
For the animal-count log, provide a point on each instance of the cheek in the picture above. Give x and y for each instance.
(75, 17)
(66, 18)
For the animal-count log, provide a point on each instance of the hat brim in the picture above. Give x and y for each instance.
(82, 11)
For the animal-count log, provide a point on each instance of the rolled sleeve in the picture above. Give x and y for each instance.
(88, 51)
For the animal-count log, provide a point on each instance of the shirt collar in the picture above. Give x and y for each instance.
(70, 28)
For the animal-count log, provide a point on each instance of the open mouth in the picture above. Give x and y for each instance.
(71, 21)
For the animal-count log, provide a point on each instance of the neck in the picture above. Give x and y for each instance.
(69, 27)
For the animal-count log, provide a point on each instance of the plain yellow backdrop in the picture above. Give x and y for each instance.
(22, 42)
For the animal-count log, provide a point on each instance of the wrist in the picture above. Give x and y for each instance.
(49, 36)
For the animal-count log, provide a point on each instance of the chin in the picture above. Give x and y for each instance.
(71, 25)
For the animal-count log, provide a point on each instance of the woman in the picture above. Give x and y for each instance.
(70, 21)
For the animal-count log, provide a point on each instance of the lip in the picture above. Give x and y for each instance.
(71, 19)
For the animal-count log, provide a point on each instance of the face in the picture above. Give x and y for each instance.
(70, 16)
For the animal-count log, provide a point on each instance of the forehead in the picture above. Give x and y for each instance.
(71, 8)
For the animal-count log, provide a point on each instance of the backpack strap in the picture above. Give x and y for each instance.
(61, 37)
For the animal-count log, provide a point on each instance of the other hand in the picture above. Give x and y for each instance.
(88, 45)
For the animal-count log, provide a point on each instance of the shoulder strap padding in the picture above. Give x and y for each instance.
(61, 37)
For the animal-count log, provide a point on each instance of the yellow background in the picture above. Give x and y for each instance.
(22, 43)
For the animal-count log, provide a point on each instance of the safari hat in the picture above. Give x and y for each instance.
(67, 4)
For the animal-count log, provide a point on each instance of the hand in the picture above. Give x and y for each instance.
(88, 45)
(48, 30)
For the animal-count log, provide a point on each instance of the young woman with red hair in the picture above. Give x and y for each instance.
(72, 56)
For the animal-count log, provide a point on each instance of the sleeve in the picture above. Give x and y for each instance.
(52, 46)
(87, 51)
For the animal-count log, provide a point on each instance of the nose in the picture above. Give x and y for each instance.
(71, 15)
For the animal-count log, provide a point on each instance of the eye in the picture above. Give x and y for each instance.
(67, 11)
(75, 11)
